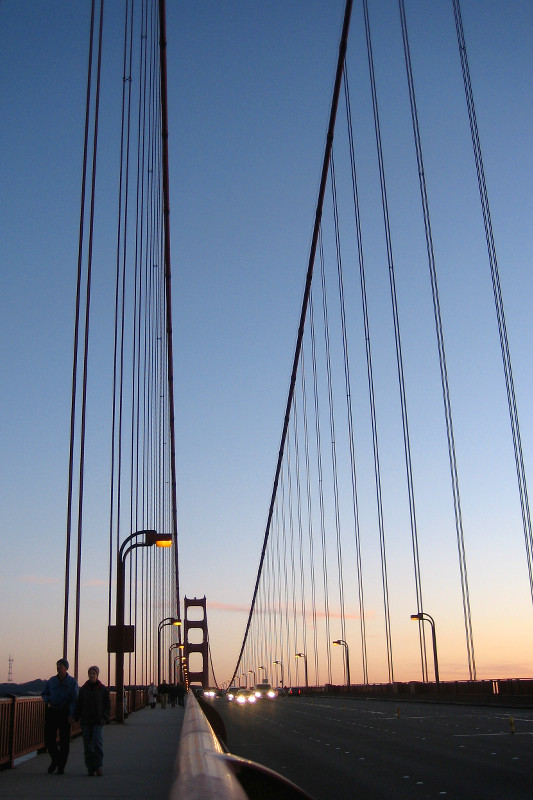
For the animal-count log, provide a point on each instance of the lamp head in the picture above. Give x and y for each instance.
(159, 539)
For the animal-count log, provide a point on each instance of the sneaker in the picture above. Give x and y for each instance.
(99, 772)
(51, 768)
(61, 770)
(90, 772)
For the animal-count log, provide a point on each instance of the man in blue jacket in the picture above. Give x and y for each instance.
(60, 694)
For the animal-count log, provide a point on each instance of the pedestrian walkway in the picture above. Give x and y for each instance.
(138, 763)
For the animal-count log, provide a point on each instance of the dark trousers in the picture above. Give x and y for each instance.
(56, 719)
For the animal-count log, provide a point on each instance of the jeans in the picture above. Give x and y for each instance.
(93, 745)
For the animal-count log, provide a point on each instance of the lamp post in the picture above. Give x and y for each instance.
(281, 665)
(162, 624)
(252, 672)
(423, 616)
(170, 671)
(151, 537)
(243, 675)
(342, 643)
(183, 661)
(264, 670)
(303, 655)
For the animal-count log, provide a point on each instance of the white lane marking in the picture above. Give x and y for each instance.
(500, 733)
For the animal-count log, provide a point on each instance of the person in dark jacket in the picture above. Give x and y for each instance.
(93, 709)
(59, 694)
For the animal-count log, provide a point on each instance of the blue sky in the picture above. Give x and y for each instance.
(249, 93)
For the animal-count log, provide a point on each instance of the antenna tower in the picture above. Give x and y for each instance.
(10, 673)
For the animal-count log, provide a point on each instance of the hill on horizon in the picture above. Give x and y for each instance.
(34, 687)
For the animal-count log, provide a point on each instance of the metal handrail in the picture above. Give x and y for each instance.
(200, 772)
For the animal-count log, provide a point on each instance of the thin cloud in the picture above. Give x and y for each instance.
(227, 607)
(37, 579)
(320, 614)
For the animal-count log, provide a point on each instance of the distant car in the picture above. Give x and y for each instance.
(245, 696)
(294, 691)
(264, 690)
(211, 693)
(231, 693)
(280, 691)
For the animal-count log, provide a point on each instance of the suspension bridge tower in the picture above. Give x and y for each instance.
(197, 676)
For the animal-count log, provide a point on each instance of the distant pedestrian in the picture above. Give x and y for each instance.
(163, 691)
(93, 709)
(60, 694)
(181, 694)
(172, 695)
(152, 695)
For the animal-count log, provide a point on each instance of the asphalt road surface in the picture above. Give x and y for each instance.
(376, 750)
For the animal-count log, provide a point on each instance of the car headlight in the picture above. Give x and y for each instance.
(241, 700)
(252, 698)
(271, 694)
(258, 694)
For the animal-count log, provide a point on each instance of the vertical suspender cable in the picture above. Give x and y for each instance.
(318, 217)
(370, 377)
(442, 354)
(397, 338)
(300, 526)
(498, 299)
(310, 519)
(350, 427)
(86, 344)
(168, 286)
(320, 476)
(76, 338)
(333, 445)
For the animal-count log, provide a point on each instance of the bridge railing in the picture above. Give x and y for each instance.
(499, 690)
(22, 723)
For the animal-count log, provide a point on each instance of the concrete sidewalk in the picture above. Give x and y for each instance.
(138, 763)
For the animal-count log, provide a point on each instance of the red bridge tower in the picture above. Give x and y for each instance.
(198, 676)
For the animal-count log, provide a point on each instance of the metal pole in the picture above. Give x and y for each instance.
(434, 637)
(119, 657)
(347, 665)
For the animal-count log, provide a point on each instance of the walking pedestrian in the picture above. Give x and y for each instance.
(60, 694)
(181, 694)
(152, 695)
(93, 709)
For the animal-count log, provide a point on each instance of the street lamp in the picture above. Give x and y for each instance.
(243, 675)
(302, 655)
(162, 624)
(342, 643)
(151, 537)
(423, 616)
(252, 672)
(170, 672)
(281, 665)
(264, 670)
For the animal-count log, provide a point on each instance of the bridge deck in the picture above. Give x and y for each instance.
(138, 763)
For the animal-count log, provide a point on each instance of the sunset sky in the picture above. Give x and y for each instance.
(250, 87)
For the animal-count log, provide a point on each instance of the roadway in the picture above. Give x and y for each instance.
(379, 750)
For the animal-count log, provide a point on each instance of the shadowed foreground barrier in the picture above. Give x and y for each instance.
(205, 771)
